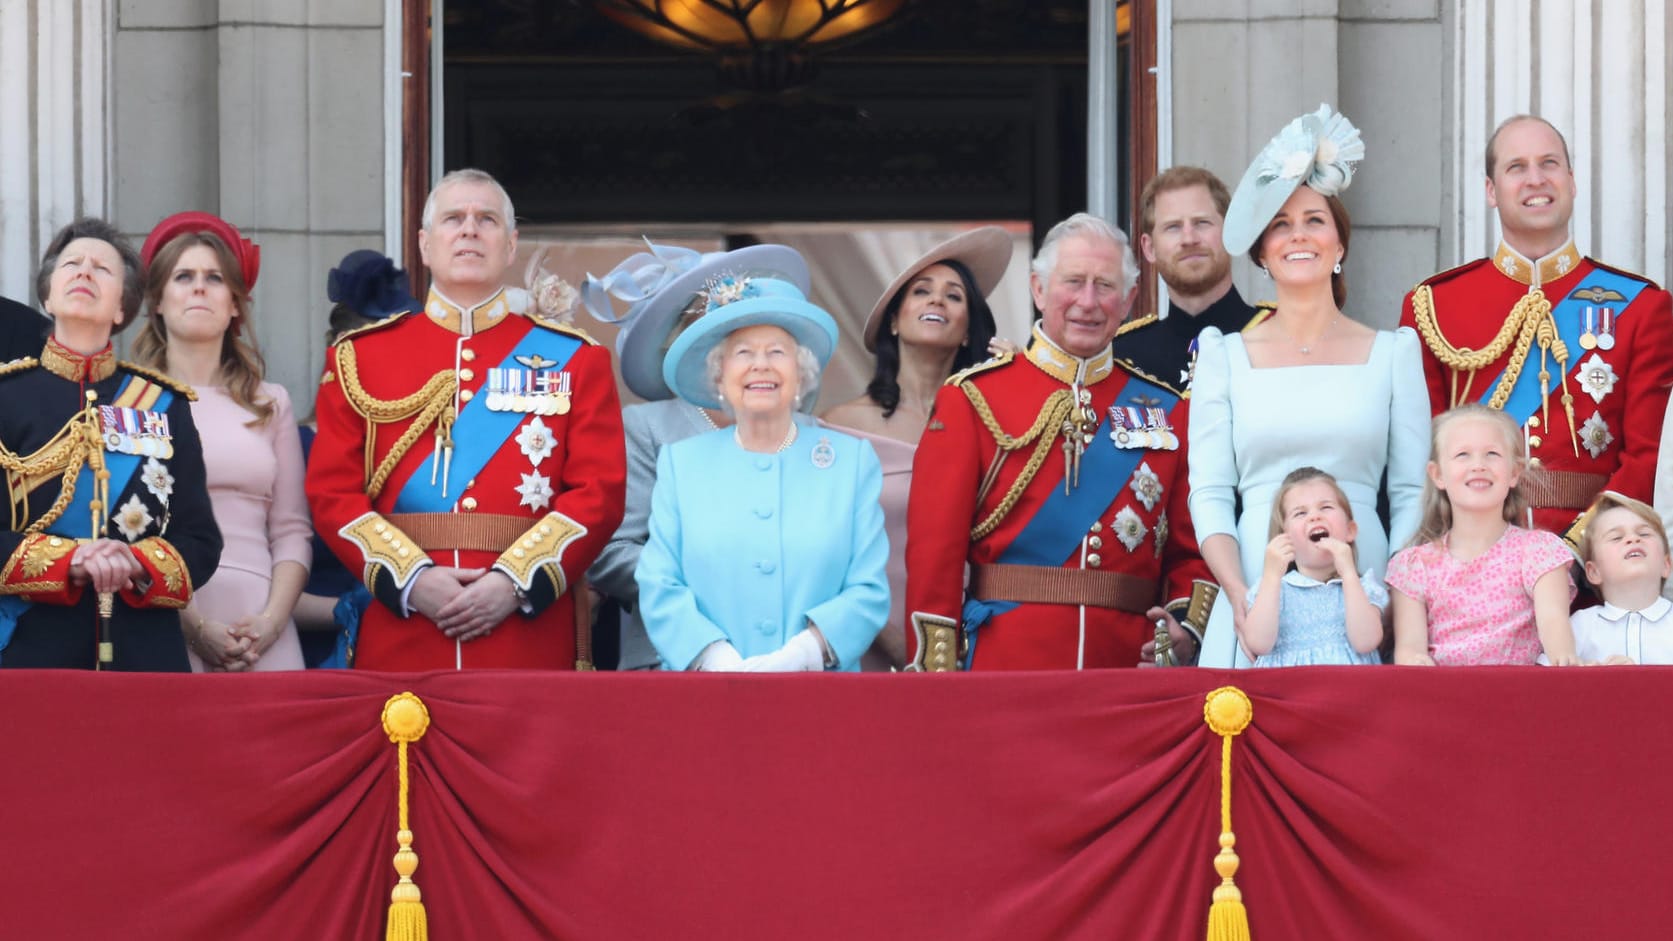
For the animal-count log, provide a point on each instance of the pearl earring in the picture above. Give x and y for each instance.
(1338, 268)
(1264, 271)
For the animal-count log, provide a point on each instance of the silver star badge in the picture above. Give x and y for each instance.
(133, 519)
(536, 441)
(1597, 377)
(1594, 434)
(158, 480)
(536, 490)
(1129, 528)
(1147, 486)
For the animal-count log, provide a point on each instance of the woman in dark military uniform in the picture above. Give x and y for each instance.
(104, 473)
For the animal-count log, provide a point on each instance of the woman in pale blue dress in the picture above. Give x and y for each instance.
(1306, 386)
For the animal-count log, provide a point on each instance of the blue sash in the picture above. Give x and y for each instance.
(76, 522)
(1569, 313)
(479, 432)
(1056, 529)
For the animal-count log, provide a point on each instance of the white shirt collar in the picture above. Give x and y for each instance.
(1654, 612)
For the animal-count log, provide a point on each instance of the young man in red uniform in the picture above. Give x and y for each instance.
(1058, 476)
(470, 461)
(1579, 353)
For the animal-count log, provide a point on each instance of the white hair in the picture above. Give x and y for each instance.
(807, 373)
(1085, 225)
(467, 175)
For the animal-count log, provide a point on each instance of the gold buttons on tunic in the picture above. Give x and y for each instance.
(466, 374)
(1096, 542)
(467, 355)
(1534, 441)
(1097, 527)
(1094, 560)
(468, 504)
(1533, 421)
(465, 395)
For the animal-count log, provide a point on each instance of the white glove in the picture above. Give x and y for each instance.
(719, 657)
(801, 654)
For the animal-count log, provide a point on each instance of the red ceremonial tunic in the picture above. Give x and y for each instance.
(1144, 530)
(1619, 394)
(539, 510)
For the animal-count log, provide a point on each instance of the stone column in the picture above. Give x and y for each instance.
(53, 90)
(1599, 73)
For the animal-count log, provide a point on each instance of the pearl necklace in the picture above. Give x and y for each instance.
(789, 438)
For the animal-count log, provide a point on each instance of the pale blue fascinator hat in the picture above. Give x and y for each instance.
(1319, 149)
(732, 303)
(659, 285)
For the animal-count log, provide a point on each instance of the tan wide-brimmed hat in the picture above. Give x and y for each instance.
(985, 251)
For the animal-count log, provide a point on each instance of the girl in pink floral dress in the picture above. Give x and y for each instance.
(1474, 588)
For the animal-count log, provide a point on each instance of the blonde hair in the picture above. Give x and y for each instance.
(1437, 508)
(1610, 500)
(242, 367)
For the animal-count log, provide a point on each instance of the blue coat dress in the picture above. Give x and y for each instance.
(749, 548)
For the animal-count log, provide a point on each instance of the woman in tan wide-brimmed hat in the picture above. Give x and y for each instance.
(931, 321)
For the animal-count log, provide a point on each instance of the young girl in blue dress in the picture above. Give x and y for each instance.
(1311, 606)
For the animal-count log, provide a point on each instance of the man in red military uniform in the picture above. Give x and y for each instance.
(470, 461)
(1059, 478)
(1579, 353)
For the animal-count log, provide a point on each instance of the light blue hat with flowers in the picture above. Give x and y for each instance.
(659, 285)
(1319, 149)
(732, 303)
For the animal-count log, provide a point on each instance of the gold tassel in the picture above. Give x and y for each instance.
(405, 719)
(1227, 712)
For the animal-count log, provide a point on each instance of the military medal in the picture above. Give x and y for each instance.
(1588, 335)
(1606, 328)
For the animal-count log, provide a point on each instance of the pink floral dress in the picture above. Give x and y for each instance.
(1481, 612)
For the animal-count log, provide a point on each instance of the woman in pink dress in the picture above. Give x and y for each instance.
(198, 274)
(930, 322)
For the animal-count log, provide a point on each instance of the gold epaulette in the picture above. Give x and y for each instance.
(160, 378)
(559, 326)
(1263, 310)
(374, 325)
(994, 362)
(1135, 324)
(18, 365)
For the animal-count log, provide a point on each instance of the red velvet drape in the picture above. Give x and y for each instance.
(1368, 802)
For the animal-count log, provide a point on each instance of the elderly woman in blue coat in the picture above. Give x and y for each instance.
(766, 549)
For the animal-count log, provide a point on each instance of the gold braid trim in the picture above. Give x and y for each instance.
(64, 455)
(1056, 408)
(1522, 325)
(430, 402)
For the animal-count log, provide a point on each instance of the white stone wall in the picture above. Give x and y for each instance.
(271, 114)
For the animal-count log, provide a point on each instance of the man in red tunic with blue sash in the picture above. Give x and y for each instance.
(1579, 353)
(1058, 480)
(469, 462)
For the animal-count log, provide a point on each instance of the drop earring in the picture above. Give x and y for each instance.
(1338, 268)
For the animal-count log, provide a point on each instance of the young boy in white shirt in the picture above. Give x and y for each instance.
(1626, 556)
